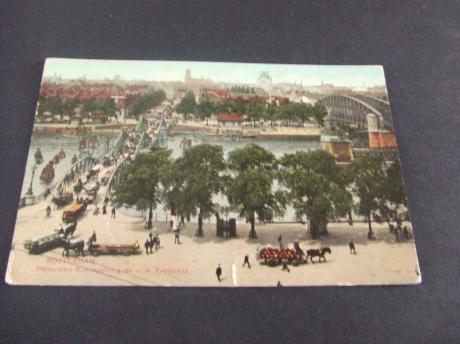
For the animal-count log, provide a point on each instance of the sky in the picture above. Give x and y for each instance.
(353, 76)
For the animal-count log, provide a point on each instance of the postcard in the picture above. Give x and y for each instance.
(172, 173)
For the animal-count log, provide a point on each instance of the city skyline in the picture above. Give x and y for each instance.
(219, 72)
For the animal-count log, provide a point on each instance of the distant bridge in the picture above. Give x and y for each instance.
(353, 109)
(144, 144)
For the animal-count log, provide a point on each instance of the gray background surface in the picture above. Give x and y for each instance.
(418, 42)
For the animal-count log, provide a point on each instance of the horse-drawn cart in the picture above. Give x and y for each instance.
(273, 256)
(126, 250)
(72, 213)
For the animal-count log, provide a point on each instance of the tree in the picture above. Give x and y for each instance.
(106, 106)
(199, 177)
(254, 111)
(237, 106)
(270, 113)
(143, 183)
(298, 112)
(250, 187)
(319, 112)
(148, 101)
(187, 105)
(316, 188)
(393, 202)
(205, 109)
(368, 184)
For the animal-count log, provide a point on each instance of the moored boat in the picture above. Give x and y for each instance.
(47, 174)
(56, 159)
(74, 159)
(61, 154)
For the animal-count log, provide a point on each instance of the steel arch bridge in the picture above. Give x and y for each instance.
(353, 109)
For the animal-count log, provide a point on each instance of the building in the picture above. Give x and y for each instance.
(379, 138)
(340, 148)
(265, 82)
(196, 84)
(214, 94)
(230, 119)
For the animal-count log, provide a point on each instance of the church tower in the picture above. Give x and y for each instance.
(188, 76)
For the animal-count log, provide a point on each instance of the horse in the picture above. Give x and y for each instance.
(77, 246)
(149, 244)
(318, 253)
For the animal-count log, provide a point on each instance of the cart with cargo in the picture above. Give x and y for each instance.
(74, 211)
(110, 249)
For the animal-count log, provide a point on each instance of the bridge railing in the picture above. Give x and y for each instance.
(79, 167)
(121, 167)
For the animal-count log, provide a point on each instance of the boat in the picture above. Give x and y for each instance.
(61, 154)
(56, 159)
(38, 156)
(93, 142)
(47, 174)
(82, 144)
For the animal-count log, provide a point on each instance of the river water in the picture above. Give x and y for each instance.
(49, 145)
(277, 147)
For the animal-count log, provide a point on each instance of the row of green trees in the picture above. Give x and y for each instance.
(311, 182)
(255, 111)
(148, 101)
(55, 106)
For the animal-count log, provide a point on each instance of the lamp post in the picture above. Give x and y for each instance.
(29, 191)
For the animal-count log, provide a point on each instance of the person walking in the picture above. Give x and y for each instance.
(176, 238)
(246, 261)
(104, 209)
(351, 245)
(157, 242)
(219, 272)
(113, 212)
(280, 241)
(48, 211)
(285, 267)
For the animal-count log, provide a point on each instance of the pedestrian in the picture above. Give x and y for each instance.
(104, 209)
(351, 245)
(113, 212)
(246, 261)
(48, 211)
(218, 272)
(176, 238)
(157, 242)
(285, 267)
(92, 239)
(147, 245)
(279, 284)
(280, 241)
